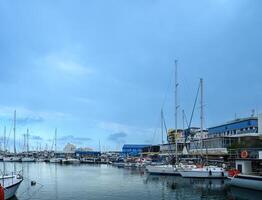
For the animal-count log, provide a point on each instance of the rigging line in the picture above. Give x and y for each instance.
(195, 102)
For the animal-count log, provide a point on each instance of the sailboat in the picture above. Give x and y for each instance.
(9, 183)
(14, 158)
(55, 159)
(205, 171)
(168, 169)
(27, 158)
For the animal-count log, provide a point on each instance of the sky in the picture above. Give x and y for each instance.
(102, 70)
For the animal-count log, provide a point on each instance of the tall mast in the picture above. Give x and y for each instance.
(27, 141)
(201, 114)
(162, 125)
(176, 107)
(55, 139)
(14, 132)
(4, 139)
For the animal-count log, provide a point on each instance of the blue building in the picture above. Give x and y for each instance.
(239, 127)
(133, 149)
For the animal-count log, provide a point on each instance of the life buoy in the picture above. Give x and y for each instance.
(2, 192)
(244, 154)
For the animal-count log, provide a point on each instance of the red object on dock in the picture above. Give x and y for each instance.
(233, 172)
(2, 193)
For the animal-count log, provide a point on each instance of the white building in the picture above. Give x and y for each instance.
(69, 148)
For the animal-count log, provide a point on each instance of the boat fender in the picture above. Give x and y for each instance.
(2, 193)
(222, 174)
(210, 173)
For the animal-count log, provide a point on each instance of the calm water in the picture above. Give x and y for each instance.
(67, 182)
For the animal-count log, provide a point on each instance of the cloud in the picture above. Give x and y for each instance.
(29, 120)
(66, 64)
(35, 137)
(73, 139)
(26, 116)
(117, 137)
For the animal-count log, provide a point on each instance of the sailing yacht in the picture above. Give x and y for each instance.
(205, 171)
(10, 183)
(55, 159)
(27, 158)
(14, 158)
(168, 169)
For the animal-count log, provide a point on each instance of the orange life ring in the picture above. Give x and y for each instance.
(244, 154)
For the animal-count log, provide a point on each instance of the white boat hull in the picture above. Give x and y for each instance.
(206, 172)
(26, 159)
(11, 159)
(11, 184)
(162, 170)
(246, 181)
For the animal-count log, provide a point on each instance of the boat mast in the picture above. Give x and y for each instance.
(162, 125)
(27, 141)
(201, 115)
(55, 140)
(14, 132)
(176, 108)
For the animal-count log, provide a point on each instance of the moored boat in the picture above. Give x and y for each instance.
(28, 159)
(10, 183)
(247, 181)
(204, 172)
(70, 161)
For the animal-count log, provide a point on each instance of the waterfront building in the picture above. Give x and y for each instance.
(69, 148)
(236, 128)
(133, 149)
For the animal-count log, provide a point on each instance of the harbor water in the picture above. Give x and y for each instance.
(96, 182)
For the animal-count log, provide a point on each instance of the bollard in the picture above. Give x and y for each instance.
(2, 193)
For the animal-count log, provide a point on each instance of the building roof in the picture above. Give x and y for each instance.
(236, 121)
(134, 146)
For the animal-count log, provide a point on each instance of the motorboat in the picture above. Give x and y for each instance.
(10, 183)
(204, 172)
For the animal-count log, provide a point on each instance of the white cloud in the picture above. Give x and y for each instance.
(67, 65)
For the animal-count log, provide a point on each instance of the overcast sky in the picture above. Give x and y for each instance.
(101, 70)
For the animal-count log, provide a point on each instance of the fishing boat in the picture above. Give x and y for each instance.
(10, 184)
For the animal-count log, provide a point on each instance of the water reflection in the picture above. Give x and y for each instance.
(106, 182)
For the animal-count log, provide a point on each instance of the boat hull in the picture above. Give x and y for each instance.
(11, 191)
(203, 174)
(249, 182)
(162, 170)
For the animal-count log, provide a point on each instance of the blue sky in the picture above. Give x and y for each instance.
(101, 70)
